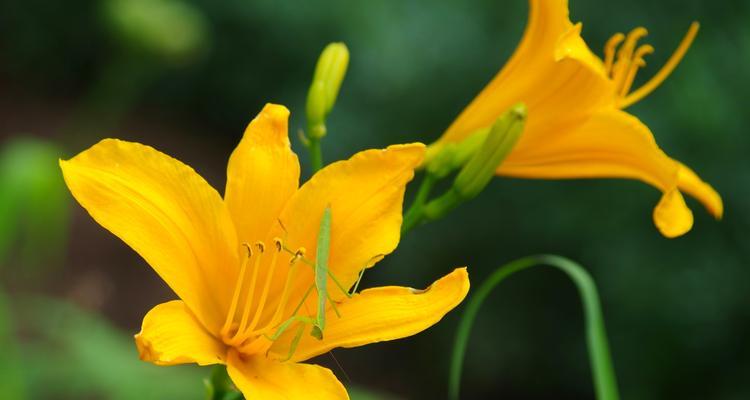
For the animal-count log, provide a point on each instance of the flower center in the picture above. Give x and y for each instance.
(243, 328)
(623, 65)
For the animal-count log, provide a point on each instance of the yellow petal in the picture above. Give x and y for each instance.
(380, 314)
(571, 45)
(609, 144)
(263, 173)
(260, 378)
(552, 72)
(672, 216)
(691, 184)
(167, 213)
(365, 194)
(171, 335)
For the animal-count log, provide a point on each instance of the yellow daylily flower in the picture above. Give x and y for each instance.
(241, 265)
(576, 126)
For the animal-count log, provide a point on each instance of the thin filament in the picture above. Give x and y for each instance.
(237, 290)
(609, 51)
(638, 62)
(625, 56)
(266, 287)
(276, 318)
(664, 72)
(251, 292)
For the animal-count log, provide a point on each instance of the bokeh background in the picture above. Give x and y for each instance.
(187, 76)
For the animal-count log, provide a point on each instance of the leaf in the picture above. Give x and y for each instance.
(77, 354)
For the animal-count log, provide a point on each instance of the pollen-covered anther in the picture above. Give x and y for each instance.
(248, 249)
(278, 243)
(298, 255)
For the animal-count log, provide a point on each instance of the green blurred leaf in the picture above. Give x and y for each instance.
(171, 29)
(75, 354)
(219, 386)
(361, 393)
(34, 204)
(11, 375)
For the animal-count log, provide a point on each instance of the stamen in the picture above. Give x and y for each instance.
(298, 255)
(633, 37)
(237, 289)
(664, 72)
(625, 56)
(251, 292)
(276, 318)
(638, 62)
(609, 51)
(266, 285)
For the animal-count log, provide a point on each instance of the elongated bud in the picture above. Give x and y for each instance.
(329, 73)
(502, 136)
(444, 158)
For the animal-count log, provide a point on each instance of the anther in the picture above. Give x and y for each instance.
(261, 247)
(248, 248)
(299, 254)
(278, 243)
(609, 51)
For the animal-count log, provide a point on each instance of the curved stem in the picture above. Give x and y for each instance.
(605, 383)
(413, 216)
(316, 154)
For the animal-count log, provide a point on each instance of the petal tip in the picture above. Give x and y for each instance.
(270, 126)
(414, 152)
(146, 351)
(275, 111)
(462, 274)
(672, 216)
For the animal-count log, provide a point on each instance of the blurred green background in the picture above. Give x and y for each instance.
(187, 76)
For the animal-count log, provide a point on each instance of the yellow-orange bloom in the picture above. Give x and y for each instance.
(576, 125)
(241, 265)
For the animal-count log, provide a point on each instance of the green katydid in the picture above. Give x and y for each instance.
(321, 273)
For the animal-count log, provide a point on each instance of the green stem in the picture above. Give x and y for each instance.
(413, 216)
(316, 154)
(439, 207)
(219, 386)
(605, 383)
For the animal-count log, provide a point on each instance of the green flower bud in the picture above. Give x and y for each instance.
(444, 158)
(500, 140)
(442, 161)
(329, 73)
